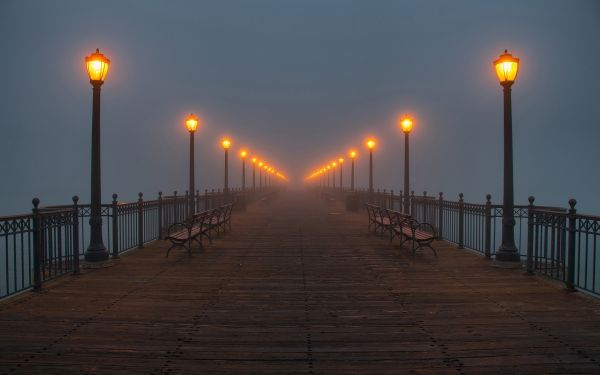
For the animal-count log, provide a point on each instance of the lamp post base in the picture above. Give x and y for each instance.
(96, 253)
(508, 254)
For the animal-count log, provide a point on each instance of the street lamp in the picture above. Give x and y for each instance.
(243, 155)
(333, 165)
(191, 124)
(352, 156)
(328, 174)
(253, 174)
(371, 146)
(406, 124)
(341, 161)
(97, 67)
(260, 168)
(226, 143)
(506, 69)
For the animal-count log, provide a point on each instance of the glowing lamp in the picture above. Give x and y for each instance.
(371, 144)
(243, 154)
(191, 123)
(340, 160)
(97, 66)
(333, 164)
(260, 164)
(353, 154)
(406, 123)
(226, 143)
(253, 160)
(507, 67)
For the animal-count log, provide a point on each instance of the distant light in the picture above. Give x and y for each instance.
(191, 123)
(243, 154)
(341, 160)
(406, 123)
(226, 143)
(353, 154)
(97, 66)
(370, 143)
(254, 160)
(507, 67)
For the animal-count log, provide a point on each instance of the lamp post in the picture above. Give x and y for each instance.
(253, 174)
(192, 124)
(226, 143)
(97, 68)
(333, 165)
(328, 174)
(506, 70)
(352, 156)
(406, 123)
(371, 146)
(260, 168)
(243, 155)
(341, 161)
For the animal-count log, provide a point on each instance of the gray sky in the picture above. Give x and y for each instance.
(300, 82)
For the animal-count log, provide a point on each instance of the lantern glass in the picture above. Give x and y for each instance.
(97, 66)
(191, 123)
(507, 67)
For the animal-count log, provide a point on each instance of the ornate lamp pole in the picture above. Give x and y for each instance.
(253, 174)
(352, 156)
(406, 123)
(192, 124)
(341, 161)
(506, 70)
(97, 68)
(371, 146)
(226, 143)
(243, 155)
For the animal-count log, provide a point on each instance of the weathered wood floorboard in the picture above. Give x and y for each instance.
(300, 287)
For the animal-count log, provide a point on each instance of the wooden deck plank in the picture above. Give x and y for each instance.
(308, 293)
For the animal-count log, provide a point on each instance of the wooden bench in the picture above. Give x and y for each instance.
(379, 221)
(201, 224)
(408, 229)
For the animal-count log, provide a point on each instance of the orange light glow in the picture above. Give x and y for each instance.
(333, 164)
(329, 167)
(341, 160)
(406, 123)
(353, 154)
(507, 67)
(243, 154)
(253, 160)
(97, 66)
(260, 164)
(226, 143)
(370, 143)
(191, 123)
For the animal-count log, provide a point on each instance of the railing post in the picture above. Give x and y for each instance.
(530, 224)
(160, 215)
(115, 227)
(75, 225)
(175, 208)
(212, 198)
(392, 199)
(571, 249)
(187, 206)
(412, 203)
(205, 199)
(487, 230)
(424, 207)
(461, 221)
(401, 201)
(37, 246)
(140, 221)
(440, 217)
(197, 206)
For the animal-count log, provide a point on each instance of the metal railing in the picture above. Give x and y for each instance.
(552, 241)
(51, 241)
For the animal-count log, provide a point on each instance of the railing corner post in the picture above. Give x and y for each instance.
(487, 234)
(140, 220)
(571, 249)
(440, 235)
(461, 221)
(160, 215)
(37, 246)
(75, 226)
(115, 226)
(530, 223)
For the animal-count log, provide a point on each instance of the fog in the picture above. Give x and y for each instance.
(299, 83)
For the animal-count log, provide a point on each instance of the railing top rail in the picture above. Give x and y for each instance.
(16, 217)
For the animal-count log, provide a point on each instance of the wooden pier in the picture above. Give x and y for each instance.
(299, 286)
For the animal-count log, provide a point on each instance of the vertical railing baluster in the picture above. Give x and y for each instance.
(140, 220)
(205, 199)
(461, 221)
(160, 215)
(197, 206)
(487, 230)
(530, 221)
(75, 226)
(175, 208)
(571, 250)
(424, 207)
(115, 226)
(440, 234)
(412, 203)
(37, 246)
